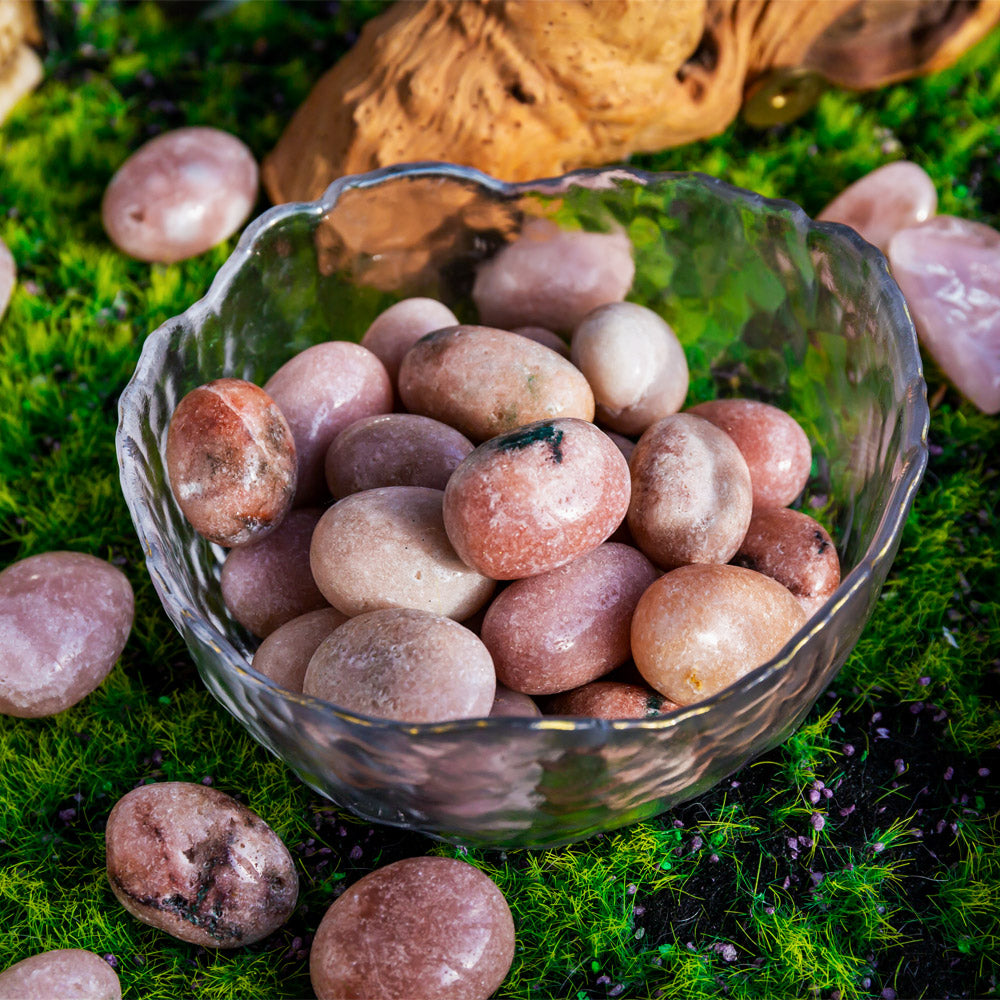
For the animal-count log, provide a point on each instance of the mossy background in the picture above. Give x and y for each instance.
(861, 859)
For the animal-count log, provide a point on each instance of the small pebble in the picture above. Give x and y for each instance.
(387, 548)
(64, 620)
(321, 391)
(180, 194)
(634, 363)
(8, 276)
(610, 700)
(794, 549)
(949, 272)
(776, 449)
(231, 461)
(419, 928)
(513, 704)
(691, 493)
(406, 665)
(535, 498)
(195, 863)
(485, 381)
(267, 583)
(893, 197)
(62, 974)
(394, 449)
(394, 331)
(552, 278)
(546, 338)
(700, 628)
(284, 655)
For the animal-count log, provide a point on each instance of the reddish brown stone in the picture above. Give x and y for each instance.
(513, 704)
(610, 700)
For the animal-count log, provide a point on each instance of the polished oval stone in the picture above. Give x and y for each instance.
(61, 974)
(406, 665)
(949, 273)
(433, 928)
(180, 194)
(192, 861)
(231, 462)
(513, 704)
(610, 700)
(544, 337)
(395, 330)
(285, 654)
(552, 278)
(8, 276)
(64, 621)
(893, 197)
(268, 582)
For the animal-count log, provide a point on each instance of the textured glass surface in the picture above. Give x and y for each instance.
(767, 303)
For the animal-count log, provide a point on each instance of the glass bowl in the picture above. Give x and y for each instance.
(767, 303)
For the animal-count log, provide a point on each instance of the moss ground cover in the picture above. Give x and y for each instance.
(861, 859)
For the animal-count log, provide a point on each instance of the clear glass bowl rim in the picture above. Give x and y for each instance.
(912, 450)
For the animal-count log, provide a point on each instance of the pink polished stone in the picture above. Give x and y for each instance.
(949, 272)
(8, 275)
(322, 390)
(268, 583)
(394, 331)
(180, 194)
(65, 973)
(880, 204)
(544, 337)
(419, 928)
(513, 704)
(611, 700)
(284, 655)
(64, 620)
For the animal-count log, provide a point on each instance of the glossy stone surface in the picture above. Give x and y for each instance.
(564, 628)
(8, 276)
(231, 461)
(513, 704)
(634, 363)
(394, 331)
(180, 194)
(195, 863)
(794, 549)
(552, 278)
(610, 700)
(691, 493)
(62, 974)
(776, 449)
(893, 197)
(419, 928)
(535, 498)
(700, 628)
(406, 665)
(268, 582)
(485, 381)
(949, 272)
(284, 655)
(544, 337)
(394, 449)
(388, 548)
(322, 390)
(64, 619)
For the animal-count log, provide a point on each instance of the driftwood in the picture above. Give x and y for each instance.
(524, 89)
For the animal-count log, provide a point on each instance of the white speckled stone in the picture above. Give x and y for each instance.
(949, 272)
(880, 204)
(64, 620)
(65, 973)
(180, 194)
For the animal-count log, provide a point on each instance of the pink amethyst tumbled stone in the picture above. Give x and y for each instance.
(949, 273)
(893, 197)
(66, 973)
(180, 194)
(64, 620)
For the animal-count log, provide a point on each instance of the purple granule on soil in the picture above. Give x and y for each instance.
(690, 946)
(341, 831)
(356, 853)
(157, 758)
(940, 715)
(876, 717)
(818, 785)
(805, 841)
(793, 843)
(827, 793)
(769, 910)
(949, 773)
(917, 707)
(881, 733)
(631, 889)
(816, 877)
(878, 847)
(888, 993)
(866, 982)
(678, 824)
(616, 990)
(66, 815)
(817, 821)
(924, 681)
(696, 843)
(207, 780)
(111, 960)
(848, 750)
(603, 981)
(983, 772)
(734, 784)
(638, 911)
(787, 882)
(726, 950)
(814, 796)
(899, 764)
(713, 858)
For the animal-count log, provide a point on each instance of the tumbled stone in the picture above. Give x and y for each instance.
(406, 665)
(192, 861)
(513, 704)
(893, 197)
(231, 461)
(610, 700)
(949, 273)
(395, 330)
(180, 194)
(8, 275)
(285, 654)
(419, 928)
(64, 973)
(544, 337)
(64, 620)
